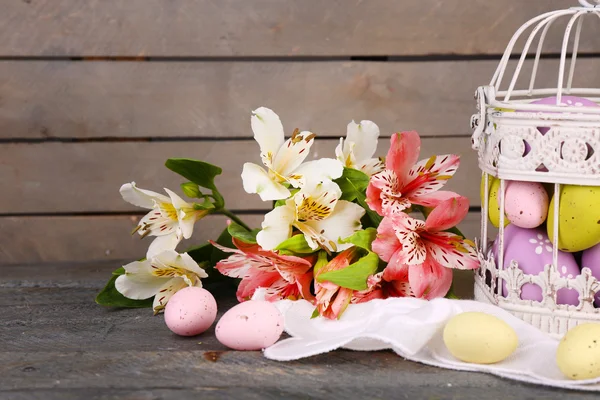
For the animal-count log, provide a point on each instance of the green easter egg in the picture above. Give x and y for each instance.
(493, 205)
(579, 213)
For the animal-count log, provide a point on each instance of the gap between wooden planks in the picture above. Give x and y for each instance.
(100, 99)
(269, 27)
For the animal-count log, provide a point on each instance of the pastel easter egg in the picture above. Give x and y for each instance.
(532, 250)
(579, 213)
(191, 311)
(493, 202)
(591, 259)
(479, 338)
(526, 204)
(578, 353)
(251, 325)
(572, 101)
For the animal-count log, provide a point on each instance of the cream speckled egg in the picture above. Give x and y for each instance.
(578, 354)
(251, 325)
(191, 311)
(479, 338)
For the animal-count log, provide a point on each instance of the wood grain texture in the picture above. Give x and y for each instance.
(57, 344)
(77, 238)
(30, 240)
(268, 27)
(86, 177)
(61, 99)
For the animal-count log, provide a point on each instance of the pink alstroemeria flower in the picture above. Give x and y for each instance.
(283, 277)
(405, 182)
(379, 288)
(423, 251)
(332, 300)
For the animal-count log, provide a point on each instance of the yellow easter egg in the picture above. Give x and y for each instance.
(579, 218)
(578, 353)
(479, 338)
(493, 204)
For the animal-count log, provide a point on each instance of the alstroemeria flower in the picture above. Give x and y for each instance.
(423, 251)
(405, 182)
(171, 218)
(332, 300)
(359, 147)
(283, 277)
(379, 288)
(283, 159)
(160, 276)
(318, 213)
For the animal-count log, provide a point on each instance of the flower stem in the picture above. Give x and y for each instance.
(233, 217)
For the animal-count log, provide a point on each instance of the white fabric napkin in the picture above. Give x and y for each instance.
(413, 329)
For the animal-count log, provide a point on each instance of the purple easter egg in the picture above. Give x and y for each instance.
(591, 259)
(532, 250)
(572, 101)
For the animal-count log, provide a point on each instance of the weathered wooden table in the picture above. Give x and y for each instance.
(56, 343)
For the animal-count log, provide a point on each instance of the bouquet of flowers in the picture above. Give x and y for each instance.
(342, 230)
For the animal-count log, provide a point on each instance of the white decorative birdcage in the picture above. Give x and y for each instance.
(540, 135)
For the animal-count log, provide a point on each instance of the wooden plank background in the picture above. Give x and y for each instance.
(97, 93)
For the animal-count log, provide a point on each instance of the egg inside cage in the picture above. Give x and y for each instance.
(539, 151)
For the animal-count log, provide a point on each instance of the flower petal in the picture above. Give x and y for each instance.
(186, 261)
(434, 199)
(397, 269)
(342, 223)
(447, 214)
(429, 280)
(257, 180)
(155, 223)
(317, 202)
(276, 227)
(141, 197)
(293, 152)
(452, 251)
(162, 243)
(138, 283)
(430, 175)
(186, 215)
(386, 243)
(404, 153)
(167, 291)
(414, 250)
(268, 132)
(364, 136)
(371, 166)
(344, 153)
(255, 279)
(314, 172)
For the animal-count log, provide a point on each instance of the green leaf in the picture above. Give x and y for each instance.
(190, 189)
(451, 294)
(205, 205)
(362, 239)
(201, 173)
(296, 244)
(321, 262)
(352, 182)
(239, 232)
(315, 314)
(373, 216)
(110, 296)
(355, 275)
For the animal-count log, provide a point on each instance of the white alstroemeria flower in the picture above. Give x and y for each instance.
(283, 159)
(160, 276)
(318, 213)
(358, 149)
(171, 218)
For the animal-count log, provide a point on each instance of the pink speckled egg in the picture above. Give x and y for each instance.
(251, 325)
(191, 311)
(591, 259)
(526, 204)
(532, 250)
